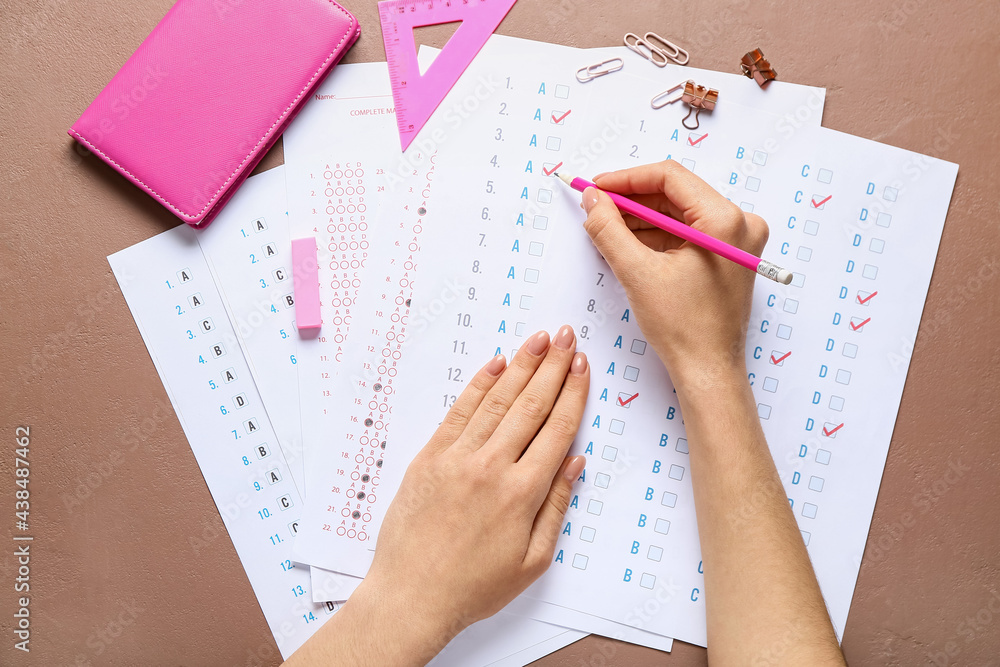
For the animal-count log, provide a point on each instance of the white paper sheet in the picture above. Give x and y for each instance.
(607, 578)
(183, 321)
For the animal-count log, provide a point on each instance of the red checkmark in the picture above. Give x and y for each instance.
(698, 140)
(549, 173)
(783, 357)
(856, 327)
(867, 298)
(560, 118)
(815, 205)
(627, 401)
(829, 433)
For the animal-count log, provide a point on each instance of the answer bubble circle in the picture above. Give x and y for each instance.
(355, 514)
(369, 422)
(341, 531)
(421, 211)
(378, 386)
(365, 478)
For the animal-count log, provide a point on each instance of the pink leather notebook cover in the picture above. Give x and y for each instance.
(207, 93)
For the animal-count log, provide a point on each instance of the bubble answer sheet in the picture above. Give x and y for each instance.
(333, 553)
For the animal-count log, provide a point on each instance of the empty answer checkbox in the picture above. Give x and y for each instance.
(823, 457)
(883, 219)
(562, 91)
(753, 183)
(806, 536)
(617, 426)
(784, 332)
(877, 246)
(770, 384)
(544, 196)
(676, 472)
(535, 248)
(526, 301)
(595, 507)
(870, 271)
(816, 484)
(655, 553)
(811, 227)
(580, 561)
(890, 194)
(804, 253)
(824, 176)
(519, 329)
(602, 480)
(688, 163)
(850, 350)
(763, 411)
(746, 206)
(760, 158)
(553, 143)
(809, 510)
(798, 279)
(587, 534)
(647, 580)
(631, 373)
(843, 376)
(791, 306)
(669, 499)
(531, 275)
(662, 526)
(540, 222)
(837, 403)
(610, 453)
(682, 445)
(638, 346)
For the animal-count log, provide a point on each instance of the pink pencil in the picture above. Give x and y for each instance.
(688, 233)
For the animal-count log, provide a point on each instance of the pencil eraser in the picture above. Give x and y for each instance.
(785, 277)
(305, 278)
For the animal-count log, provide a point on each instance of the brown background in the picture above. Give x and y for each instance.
(116, 492)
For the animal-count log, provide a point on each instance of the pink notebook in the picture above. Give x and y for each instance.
(207, 93)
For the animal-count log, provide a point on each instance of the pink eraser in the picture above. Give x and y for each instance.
(305, 276)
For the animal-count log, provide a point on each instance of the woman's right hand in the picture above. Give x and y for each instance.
(692, 305)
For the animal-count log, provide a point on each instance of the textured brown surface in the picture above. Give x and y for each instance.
(116, 492)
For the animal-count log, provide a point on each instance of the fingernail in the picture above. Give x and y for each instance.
(574, 467)
(603, 173)
(564, 338)
(579, 365)
(589, 198)
(538, 343)
(497, 365)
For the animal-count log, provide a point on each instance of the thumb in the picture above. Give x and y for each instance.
(550, 516)
(610, 235)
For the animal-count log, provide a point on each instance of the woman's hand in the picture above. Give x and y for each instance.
(476, 518)
(692, 305)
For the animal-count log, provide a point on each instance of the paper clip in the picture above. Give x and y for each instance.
(646, 50)
(756, 67)
(669, 49)
(695, 96)
(585, 74)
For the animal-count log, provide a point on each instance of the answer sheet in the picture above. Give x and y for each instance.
(503, 254)
(385, 310)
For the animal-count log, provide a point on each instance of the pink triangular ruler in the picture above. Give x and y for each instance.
(416, 97)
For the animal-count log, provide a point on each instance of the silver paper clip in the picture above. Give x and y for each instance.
(667, 48)
(591, 72)
(646, 50)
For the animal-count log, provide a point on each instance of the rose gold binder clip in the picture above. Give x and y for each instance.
(585, 74)
(658, 55)
(695, 96)
(755, 66)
